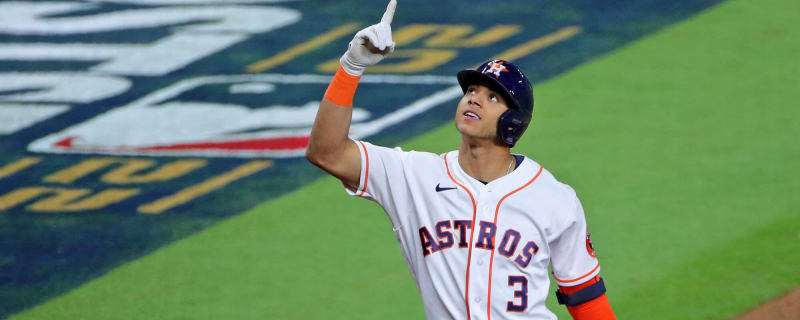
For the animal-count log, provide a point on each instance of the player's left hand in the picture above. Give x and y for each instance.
(370, 45)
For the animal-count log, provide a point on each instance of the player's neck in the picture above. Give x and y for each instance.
(485, 161)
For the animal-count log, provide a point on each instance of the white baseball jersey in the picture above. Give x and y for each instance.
(475, 250)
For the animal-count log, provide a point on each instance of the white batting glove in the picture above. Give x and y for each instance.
(370, 45)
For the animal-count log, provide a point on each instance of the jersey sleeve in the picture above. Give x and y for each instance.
(573, 257)
(383, 177)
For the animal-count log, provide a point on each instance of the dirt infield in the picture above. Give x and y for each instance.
(784, 308)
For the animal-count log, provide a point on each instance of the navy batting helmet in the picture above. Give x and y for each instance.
(513, 85)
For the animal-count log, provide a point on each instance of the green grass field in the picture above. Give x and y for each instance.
(682, 146)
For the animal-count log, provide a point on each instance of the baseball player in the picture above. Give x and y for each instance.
(478, 226)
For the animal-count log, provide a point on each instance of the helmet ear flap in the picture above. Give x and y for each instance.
(511, 126)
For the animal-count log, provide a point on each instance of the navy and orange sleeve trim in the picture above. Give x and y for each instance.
(365, 175)
(594, 271)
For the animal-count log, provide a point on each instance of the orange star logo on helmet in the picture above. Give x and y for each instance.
(495, 67)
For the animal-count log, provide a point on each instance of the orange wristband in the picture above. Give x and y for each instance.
(597, 309)
(342, 88)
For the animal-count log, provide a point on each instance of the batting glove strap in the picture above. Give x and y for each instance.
(582, 296)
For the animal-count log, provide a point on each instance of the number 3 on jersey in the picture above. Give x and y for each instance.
(522, 294)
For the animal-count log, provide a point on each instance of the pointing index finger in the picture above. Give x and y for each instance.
(389, 14)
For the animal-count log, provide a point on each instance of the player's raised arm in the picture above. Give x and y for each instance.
(329, 147)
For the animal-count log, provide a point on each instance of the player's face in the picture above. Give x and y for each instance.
(478, 111)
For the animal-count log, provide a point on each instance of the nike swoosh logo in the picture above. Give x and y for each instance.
(440, 189)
